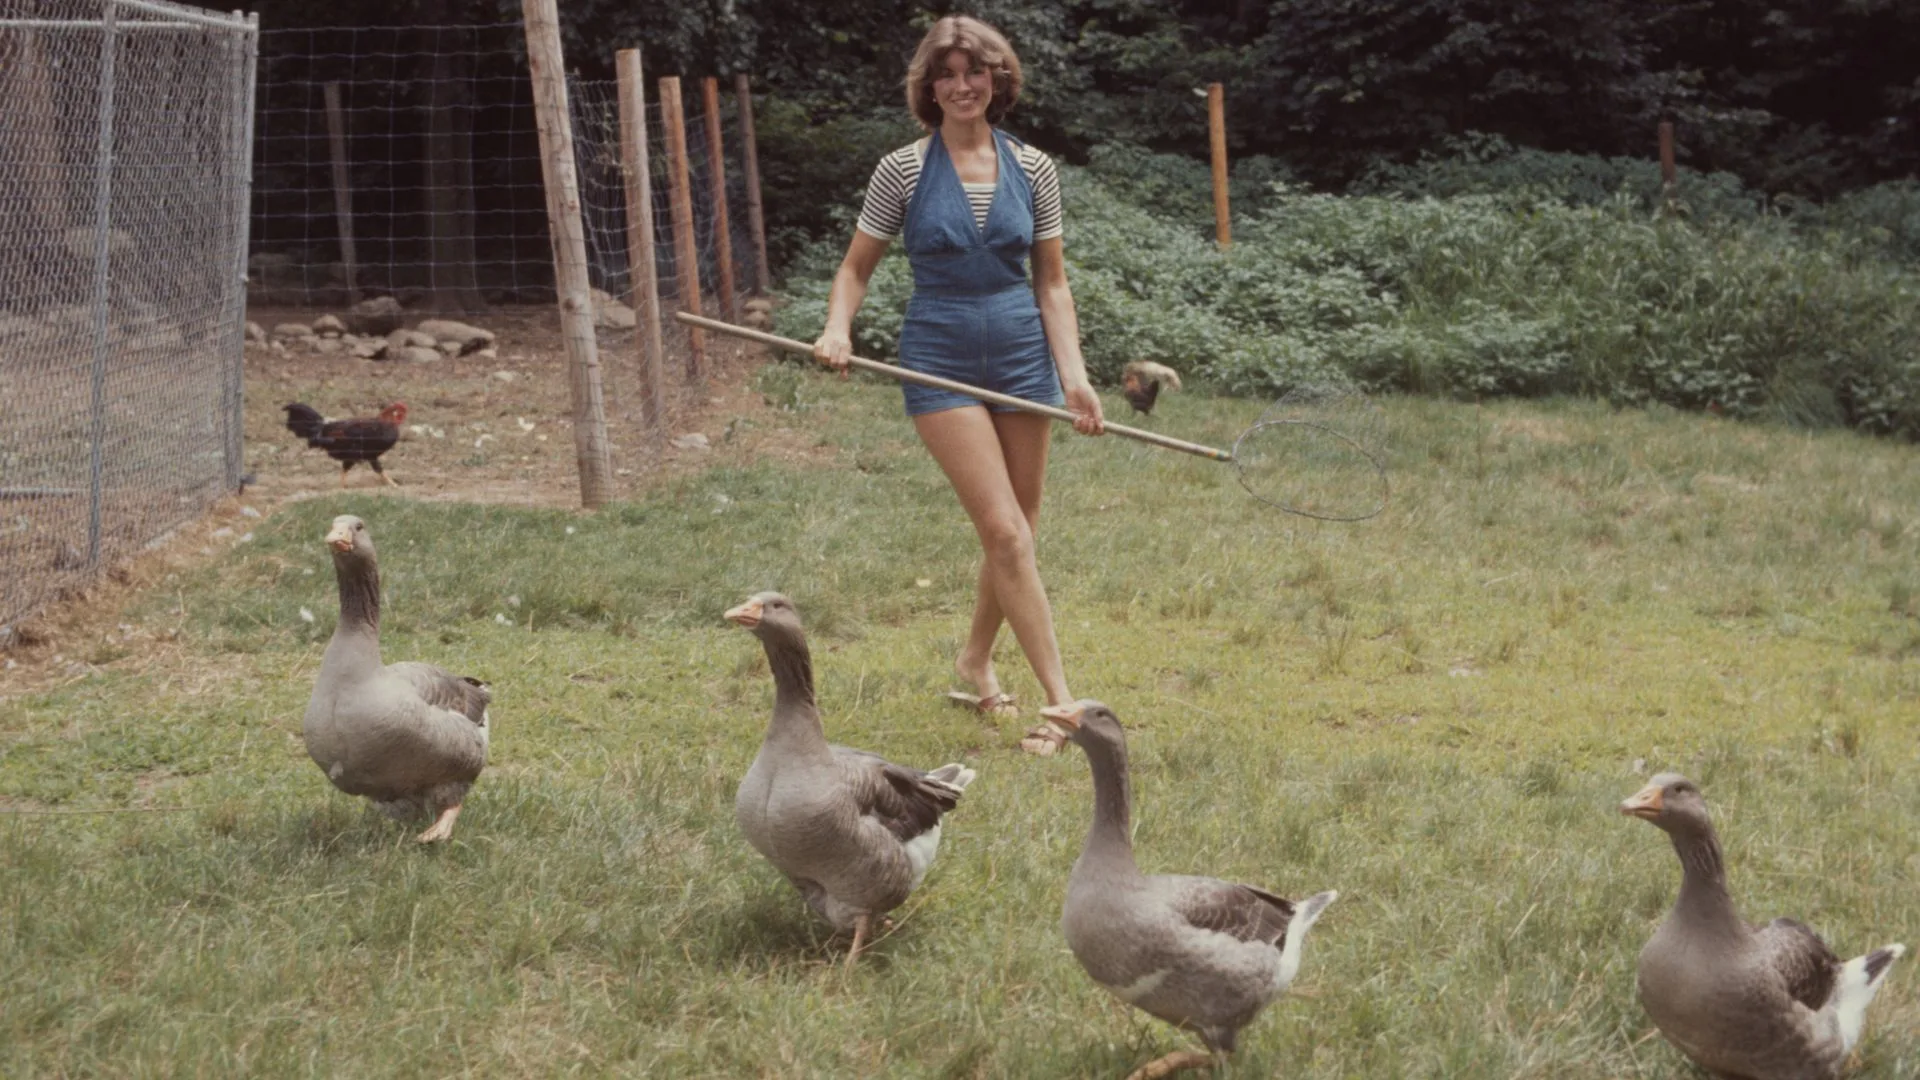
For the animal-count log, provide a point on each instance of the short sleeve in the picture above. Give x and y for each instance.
(1045, 181)
(885, 212)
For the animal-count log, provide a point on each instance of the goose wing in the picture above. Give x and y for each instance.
(442, 689)
(1796, 954)
(906, 801)
(1239, 911)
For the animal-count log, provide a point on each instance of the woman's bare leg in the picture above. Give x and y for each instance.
(996, 464)
(1024, 441)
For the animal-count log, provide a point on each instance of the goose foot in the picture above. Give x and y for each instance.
(1178, 1061)
(861, 925)
(442, 827)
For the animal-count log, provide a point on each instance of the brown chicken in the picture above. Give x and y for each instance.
(1141, 381)
(350, 441)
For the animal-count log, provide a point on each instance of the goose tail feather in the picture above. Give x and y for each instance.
(1860, 979)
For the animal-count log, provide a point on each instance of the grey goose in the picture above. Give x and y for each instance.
(852, 831)
(412, 737)
(1744, 1002)
(1202, 954)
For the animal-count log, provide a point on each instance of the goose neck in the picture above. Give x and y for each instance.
(795, 715)
(1110, 839)
(1704, 899)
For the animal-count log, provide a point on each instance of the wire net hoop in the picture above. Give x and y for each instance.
(124, 173)
(1319, 452)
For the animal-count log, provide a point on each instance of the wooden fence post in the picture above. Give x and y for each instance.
(547, 66)
(717, 170)
(687, 260)
(640, 256)
(1669, 181)
(1217, 128)
(342, 186)
(756, 219)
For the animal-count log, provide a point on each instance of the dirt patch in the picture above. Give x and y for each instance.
(473, 435)
(499, 429)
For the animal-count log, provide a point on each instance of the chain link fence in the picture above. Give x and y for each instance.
(124, 173)
(405, 162)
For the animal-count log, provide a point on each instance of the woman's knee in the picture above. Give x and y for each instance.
(1007, 539)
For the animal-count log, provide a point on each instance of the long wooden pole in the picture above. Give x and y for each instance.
(756, 219)
(547, 65)
(686, 259)
(342, 186)
(640, 255)
(717, 169)
(894, 371)
(1217, 129)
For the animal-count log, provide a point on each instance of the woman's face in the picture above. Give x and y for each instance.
(963, 87)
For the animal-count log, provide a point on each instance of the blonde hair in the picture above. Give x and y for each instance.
(985, 45)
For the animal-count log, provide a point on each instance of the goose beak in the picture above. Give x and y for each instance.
(1646, 804)
(1067, 716)
(340, 539)
(747, 614)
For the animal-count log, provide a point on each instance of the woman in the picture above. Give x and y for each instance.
(972, 203)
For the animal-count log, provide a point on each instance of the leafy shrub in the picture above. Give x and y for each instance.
(1471, 296)
(1481, 164)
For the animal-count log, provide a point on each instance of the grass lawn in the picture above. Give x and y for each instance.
(1434, 712)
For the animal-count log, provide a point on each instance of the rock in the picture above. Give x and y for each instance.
(695, 441)
(256, 333)
(448, 346)
(328, 345)
(279, 347)
(416, 354)
(329, 326)
(504, 375)
(489, 353)
(758, 303)
(370, 350)
(376, 315)
(611, 314)
(465, 338)
(292, 330)
(408, 339)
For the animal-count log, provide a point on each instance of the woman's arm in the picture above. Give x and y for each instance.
(1063, 334)
(849, 289)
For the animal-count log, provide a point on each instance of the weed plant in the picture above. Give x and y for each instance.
(1435, 712)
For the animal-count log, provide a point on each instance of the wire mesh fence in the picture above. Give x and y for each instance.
(124, 170)
(405, 162)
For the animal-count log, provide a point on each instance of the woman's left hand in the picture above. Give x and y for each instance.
(1084, 404)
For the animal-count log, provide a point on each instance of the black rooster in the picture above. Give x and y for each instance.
(350, 441)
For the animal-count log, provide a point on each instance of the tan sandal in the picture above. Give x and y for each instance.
(1044, 740)
(1001, 705)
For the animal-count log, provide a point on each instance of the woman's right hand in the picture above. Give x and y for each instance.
(835, 350)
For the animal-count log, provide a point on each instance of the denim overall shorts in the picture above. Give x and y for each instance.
(972, 317)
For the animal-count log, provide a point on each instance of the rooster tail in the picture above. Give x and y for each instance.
(1149, 373)
(304, 421)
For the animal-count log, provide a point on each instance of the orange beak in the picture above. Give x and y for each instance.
(1645, 804)
(340, 540)
(747, 614)
(1067, 716)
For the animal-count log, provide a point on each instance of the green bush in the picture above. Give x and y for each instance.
(1480, 164)
(1472, 296)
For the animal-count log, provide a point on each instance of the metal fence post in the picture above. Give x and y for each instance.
(102, 255)
(242, 160)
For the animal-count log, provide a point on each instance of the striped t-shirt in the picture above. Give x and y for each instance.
(891, 189)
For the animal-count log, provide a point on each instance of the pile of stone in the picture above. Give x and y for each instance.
(375, 330)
